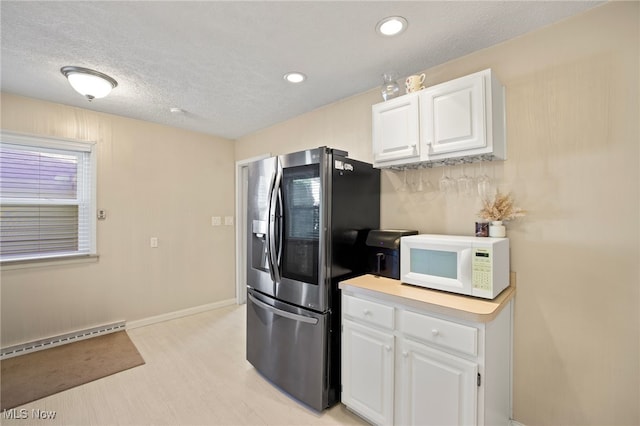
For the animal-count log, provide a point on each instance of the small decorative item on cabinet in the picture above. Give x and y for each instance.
(497, 229)
(390, 88)
(482, 229)
(497, 210)
(413, 83)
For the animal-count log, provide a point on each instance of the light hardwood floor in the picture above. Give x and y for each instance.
(195, 374)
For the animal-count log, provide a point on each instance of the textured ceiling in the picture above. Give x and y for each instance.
(222, 62)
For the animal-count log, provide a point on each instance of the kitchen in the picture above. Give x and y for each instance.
(572, 132)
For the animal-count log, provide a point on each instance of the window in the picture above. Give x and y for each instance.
(47, 198)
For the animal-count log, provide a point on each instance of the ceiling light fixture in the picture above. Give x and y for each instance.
(89, 83)
(295, 77)
(392, 25)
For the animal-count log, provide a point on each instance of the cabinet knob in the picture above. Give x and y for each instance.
(367, 312)
(387, 347)
(405, 354)
(435, 332)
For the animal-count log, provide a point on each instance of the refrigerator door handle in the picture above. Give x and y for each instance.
(270, 229)
(275, 221)
(280, 231)
(285, 314)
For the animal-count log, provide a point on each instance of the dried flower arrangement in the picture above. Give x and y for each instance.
(500, 208)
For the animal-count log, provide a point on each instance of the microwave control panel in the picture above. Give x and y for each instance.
(481, 273)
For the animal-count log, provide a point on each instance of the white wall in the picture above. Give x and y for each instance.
(153, 181)
(572, 94)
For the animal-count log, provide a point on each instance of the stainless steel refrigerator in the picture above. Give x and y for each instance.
(308, 217)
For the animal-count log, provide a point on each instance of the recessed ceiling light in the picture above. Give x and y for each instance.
(176, 110)
(392, 25)
(295, 77)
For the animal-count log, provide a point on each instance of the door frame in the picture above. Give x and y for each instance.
(242, 168)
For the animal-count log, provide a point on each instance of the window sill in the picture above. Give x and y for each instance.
(50, 261)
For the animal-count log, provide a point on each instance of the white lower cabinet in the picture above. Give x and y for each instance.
(408, 366)
(367, 366)
(434, 387)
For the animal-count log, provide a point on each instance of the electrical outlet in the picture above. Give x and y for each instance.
(102, 214)
(216, 221)
(153, 242)
(228, 220)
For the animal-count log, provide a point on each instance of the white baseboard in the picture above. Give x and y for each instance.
(179, 314)
(514, 423)
(22, 349)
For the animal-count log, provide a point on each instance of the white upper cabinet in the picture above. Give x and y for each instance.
(463, 117)
(396, 131)
(454, 116)
(460, 118)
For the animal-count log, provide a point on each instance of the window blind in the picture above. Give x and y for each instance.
(46, 199)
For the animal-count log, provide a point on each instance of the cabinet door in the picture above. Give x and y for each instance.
(435, 388)
(367, 372)
(396, 130)
(454, 117)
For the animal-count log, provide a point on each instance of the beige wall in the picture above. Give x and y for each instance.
(153, 181)
(572, 93)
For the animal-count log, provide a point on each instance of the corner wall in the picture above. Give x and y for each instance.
(153, 180)
(573, 137)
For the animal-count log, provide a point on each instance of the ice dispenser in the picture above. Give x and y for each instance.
(259, 245)
(383, 251)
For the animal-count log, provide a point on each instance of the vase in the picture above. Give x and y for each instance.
(390, 88)
(497, 229)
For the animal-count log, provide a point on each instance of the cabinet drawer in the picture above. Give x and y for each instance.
(447, 334)
(367, 311)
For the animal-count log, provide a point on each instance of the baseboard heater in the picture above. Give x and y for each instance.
(63, 339)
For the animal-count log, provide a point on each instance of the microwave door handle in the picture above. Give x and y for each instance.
(285, 314)
(465, 274)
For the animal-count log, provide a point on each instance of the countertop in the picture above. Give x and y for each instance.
(459, 306)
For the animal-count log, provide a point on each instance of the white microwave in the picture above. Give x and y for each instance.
(474, 266)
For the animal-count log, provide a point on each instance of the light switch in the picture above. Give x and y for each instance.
(228, 220)
(216, 221)
(153, 242)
